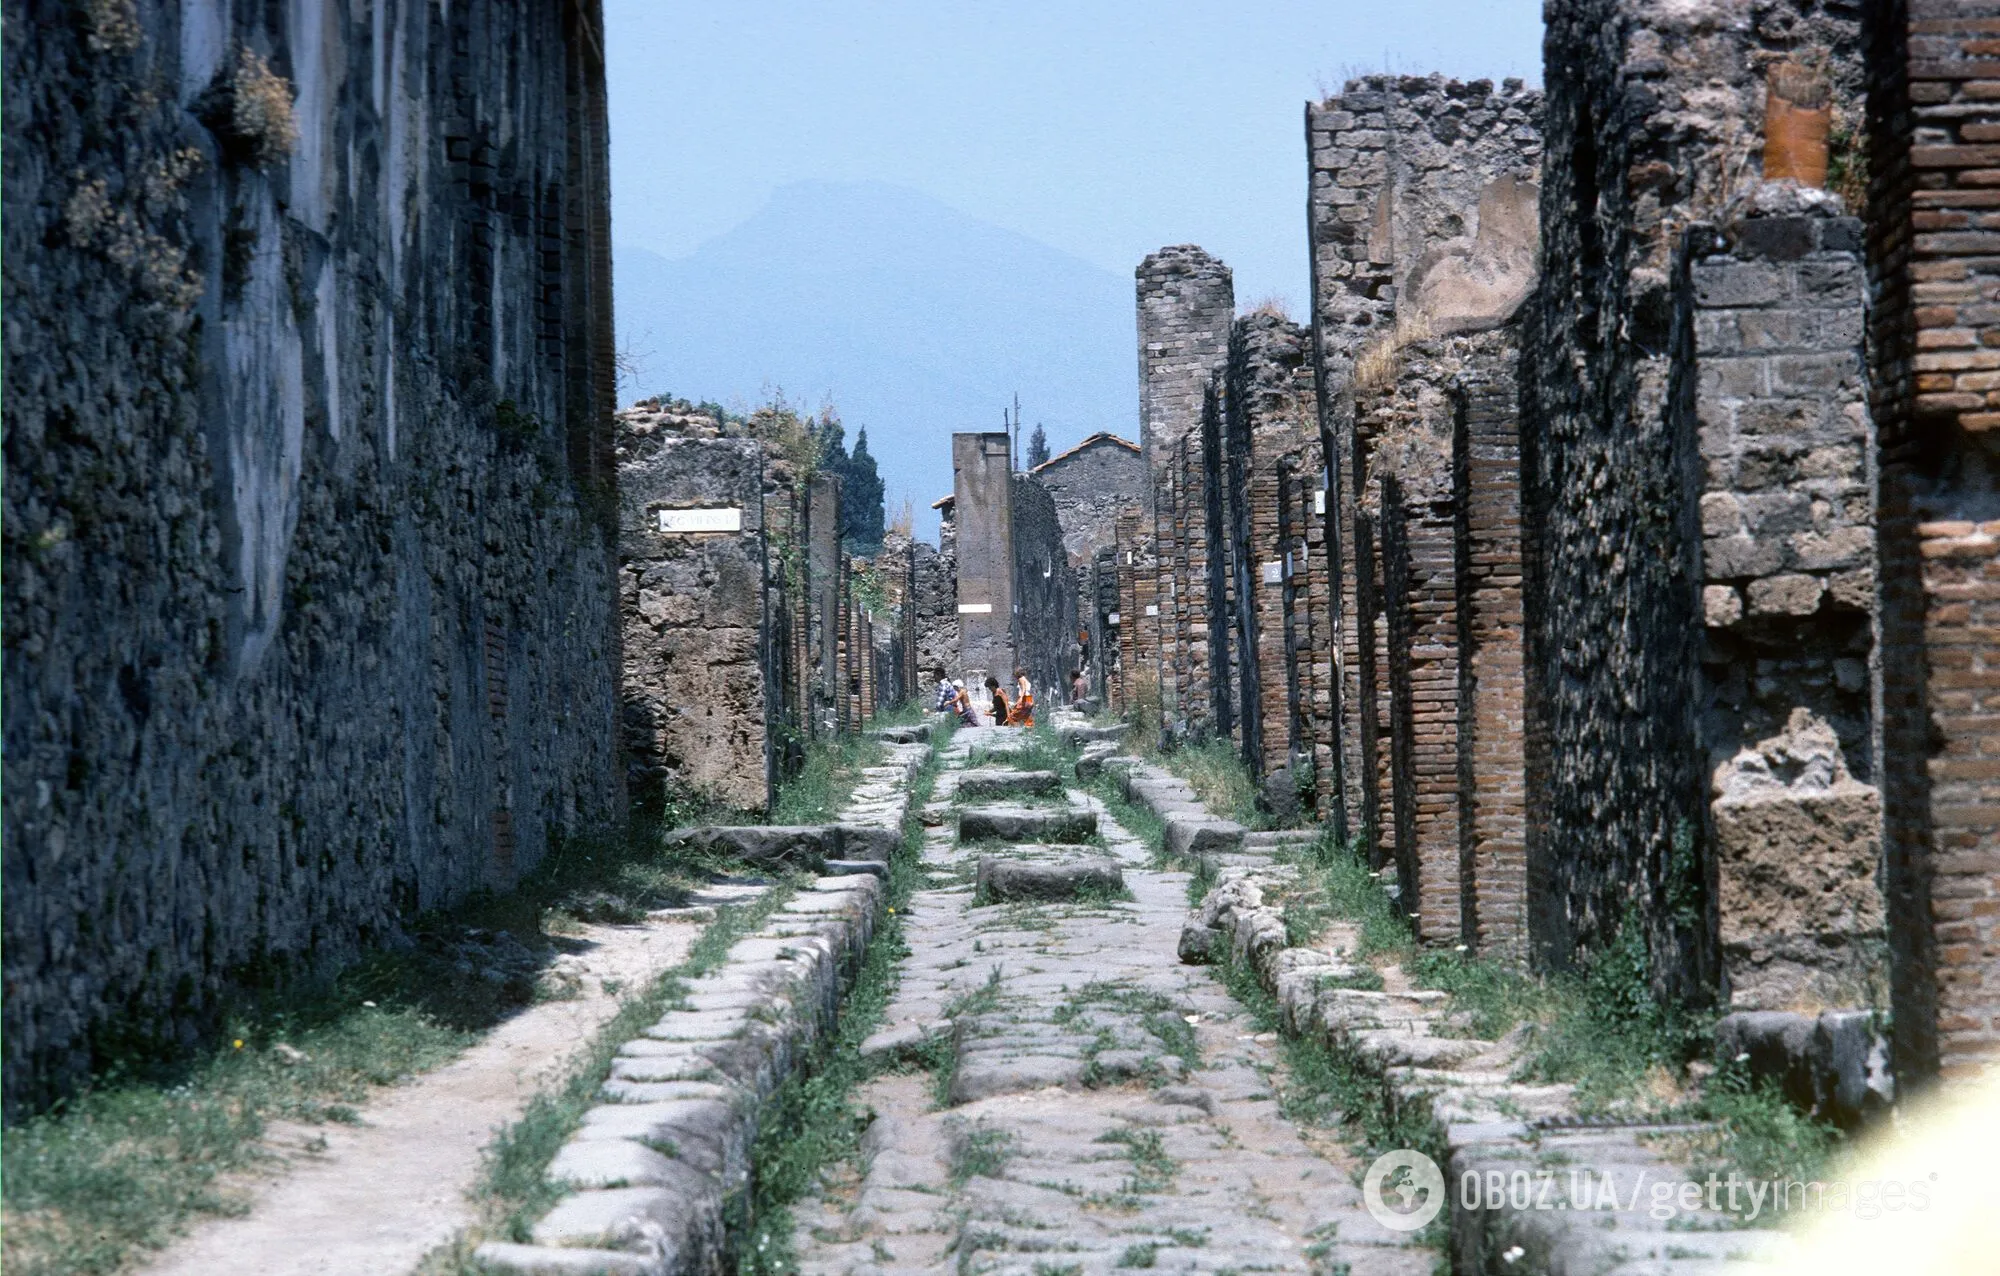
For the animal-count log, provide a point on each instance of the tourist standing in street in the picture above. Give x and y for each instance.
(1024, 701)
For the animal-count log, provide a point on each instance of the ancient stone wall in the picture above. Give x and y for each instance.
(691, 590)
(936, 611)
(1045, 592)
(1787, 513)
(1933, 165)
(1422, 224)
(310, 593)
(1090, 483)
(1649, 131)
(1270, 434)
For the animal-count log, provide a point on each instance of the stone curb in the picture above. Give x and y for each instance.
(1495, 1129)
(658, 1164)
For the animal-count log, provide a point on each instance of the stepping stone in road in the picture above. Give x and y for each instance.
(1025, 824)
(998, 782)
(1001, 879)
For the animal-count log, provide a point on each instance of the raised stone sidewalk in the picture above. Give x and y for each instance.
(1538, 1172)
(657, 1167)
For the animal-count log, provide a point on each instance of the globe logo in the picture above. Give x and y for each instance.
(1403, 1190)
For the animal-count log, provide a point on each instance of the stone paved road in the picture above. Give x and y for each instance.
(1108, 1106)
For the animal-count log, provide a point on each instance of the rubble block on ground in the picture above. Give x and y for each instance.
(773, 846)
(863, 842)
(1189, 834)
(1076, 735)
(1094, 759)
(1834, 1064)
(1001, 879)
(916, 733)
(1025, 824)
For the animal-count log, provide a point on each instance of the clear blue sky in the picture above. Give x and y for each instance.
(1105, 128)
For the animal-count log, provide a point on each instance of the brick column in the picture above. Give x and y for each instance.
(1492, 783)
(1934, 236)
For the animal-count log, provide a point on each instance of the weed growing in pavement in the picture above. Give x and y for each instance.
(1139, 1255)
(1153, 1170)
(514, 1188)
(115, 1172)
(980, 1152)
(1221, 780)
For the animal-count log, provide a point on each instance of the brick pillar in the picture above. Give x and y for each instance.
(1486, 471)
(1218, 584)
(1186, 301)
(1934, 232)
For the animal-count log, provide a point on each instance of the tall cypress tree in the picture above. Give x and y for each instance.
(1038, 447)
(861, 500)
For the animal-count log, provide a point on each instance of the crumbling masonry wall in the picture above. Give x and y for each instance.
(692, 598)
(1046, 591)
(309, 583)
(1423, 234)
(1649, 132)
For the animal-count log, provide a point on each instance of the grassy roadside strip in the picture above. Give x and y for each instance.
(104, 1179)
(811, 1122)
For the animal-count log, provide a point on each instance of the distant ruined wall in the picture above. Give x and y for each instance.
(937, 614)
(309, 586)
(982, 532)
(1187, 300)
(1089, 484)
(1045, 591)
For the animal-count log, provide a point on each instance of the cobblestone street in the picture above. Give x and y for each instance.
(1104, 1105)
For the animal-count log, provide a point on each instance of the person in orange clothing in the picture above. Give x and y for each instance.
(1003, 713)
(1024, 701)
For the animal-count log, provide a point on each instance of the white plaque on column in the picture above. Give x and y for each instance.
(729, 519)
(975, 609)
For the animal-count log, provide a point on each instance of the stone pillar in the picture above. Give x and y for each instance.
(1935, 106)
(1268, 408)
(983, 523)
(1218, 585)
(823, 592)
(1187, 300)
(691, 549)
(1788, 572)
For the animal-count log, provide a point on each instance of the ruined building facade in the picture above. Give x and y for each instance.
(310, 576)
(748, 629)
(1616, 587)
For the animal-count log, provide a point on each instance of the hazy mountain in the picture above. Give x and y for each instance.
(914, 318)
